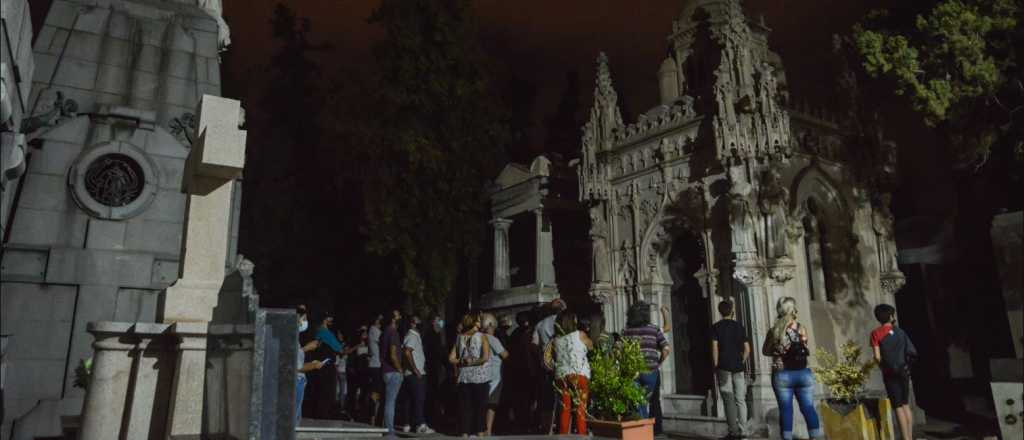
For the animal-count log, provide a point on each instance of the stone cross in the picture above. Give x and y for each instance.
(216, 159)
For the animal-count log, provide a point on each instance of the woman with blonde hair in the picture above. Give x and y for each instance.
(786, 343)
(470, 354)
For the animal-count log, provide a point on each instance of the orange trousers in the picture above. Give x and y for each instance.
(574, 387)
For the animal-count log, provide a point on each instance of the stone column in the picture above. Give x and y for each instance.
(185, 413)
(502, 279)
(752, 278)
(108, 389)
(216, 159)
(545, 250)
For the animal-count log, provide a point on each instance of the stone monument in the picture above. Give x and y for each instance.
(150, 377)
(758, 197)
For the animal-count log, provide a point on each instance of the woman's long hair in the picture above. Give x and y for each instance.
(785, 311)
(566, 323)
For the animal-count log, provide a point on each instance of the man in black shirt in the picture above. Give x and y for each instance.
(730, 349)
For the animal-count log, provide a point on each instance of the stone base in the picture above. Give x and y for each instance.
(147, 378)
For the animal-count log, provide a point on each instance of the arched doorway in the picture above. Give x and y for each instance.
(691, 319)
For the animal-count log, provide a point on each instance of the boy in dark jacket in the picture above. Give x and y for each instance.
(894, 353)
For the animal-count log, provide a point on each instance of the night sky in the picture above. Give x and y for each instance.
(542, 40)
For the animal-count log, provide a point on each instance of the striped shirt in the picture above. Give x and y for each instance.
(652, 342)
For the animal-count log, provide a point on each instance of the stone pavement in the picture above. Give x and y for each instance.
(316, 430)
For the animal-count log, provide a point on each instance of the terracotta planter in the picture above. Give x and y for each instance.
(871, 419)
(632, 430)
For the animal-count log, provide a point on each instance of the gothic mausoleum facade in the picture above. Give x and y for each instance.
(725, 191)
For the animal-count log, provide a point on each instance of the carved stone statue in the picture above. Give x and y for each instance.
(881, 222)
(774, 198)
(741, 220)
(598, 239)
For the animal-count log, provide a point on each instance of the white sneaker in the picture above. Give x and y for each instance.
(424, 429)
(406, 428)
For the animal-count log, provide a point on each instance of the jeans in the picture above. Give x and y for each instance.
(649, 381)
(733, 386)
(473, 406)
(575, 390)
(392, 384)
(414, 391)
(300, 388)
(342, 390)
(799, 383)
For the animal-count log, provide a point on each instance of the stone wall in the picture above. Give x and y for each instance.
(17, 65)
(113, 94)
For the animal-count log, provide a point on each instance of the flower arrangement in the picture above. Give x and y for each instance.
(844, 375)
(83, 373)
(614, 392)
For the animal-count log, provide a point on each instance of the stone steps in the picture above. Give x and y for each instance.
(695, 426)
(684, 404)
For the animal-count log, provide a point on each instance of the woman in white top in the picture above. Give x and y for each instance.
(572, 370)
(470, 354)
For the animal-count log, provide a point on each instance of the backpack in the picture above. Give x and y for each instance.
(795, 358)
(895, 364)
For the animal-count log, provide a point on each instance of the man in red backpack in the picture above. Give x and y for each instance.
(894, 353)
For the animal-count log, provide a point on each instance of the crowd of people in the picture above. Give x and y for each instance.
(403, 375)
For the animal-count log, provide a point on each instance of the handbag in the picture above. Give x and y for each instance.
(549, 355)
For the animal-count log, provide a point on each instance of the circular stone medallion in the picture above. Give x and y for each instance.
(113, 180)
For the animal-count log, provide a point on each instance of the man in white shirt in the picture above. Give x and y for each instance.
(414, 387)
(498, 354)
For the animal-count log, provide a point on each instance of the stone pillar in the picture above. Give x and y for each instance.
(502, 278)
(753, 280)
(545, 250)
(216, 159)
(108, 388)
(185, 414)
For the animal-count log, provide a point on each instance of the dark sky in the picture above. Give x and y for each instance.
(541, 40)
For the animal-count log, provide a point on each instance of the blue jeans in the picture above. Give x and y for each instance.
(799, 383)
(649, 381)
(300, 388)
(392, 385)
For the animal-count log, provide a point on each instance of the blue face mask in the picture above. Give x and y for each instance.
(439, 323)
(303, 325)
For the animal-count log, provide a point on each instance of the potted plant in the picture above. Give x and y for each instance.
(847, 413)
(83, 374)
(615, 395)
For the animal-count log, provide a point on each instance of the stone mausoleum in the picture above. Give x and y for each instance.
(726, 191)
(98, 106)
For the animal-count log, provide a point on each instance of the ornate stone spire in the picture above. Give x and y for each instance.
(729, 63)
(599, 133)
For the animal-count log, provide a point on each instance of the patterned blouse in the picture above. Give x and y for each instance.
(792, 336)
(472, 348)
(571, 356)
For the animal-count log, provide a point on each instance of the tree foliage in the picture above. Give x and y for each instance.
(442, 134)
(955, 60)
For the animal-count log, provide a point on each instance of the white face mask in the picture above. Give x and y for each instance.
(303, 325)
